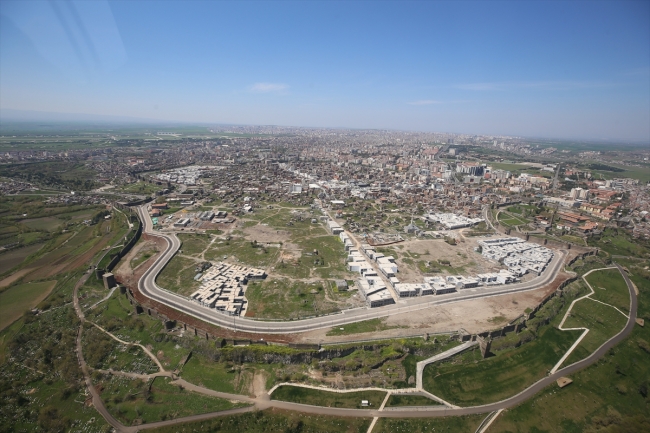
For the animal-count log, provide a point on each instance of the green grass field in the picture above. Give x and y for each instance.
(243, 251)
(178, 276)
(410, 400)
(372, 325)
(603, 322)
(351, 400)
(283, 299)
(210, 374)
(465, 424)
(466, 382)
(18, 299)
(619, 243)
(274, 420)
(608, 396)
(130, 400)
(610, 288)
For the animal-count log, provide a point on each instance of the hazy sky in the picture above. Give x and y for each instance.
(549, 69)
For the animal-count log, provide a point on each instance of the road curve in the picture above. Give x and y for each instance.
(264, 402)
(441, 411)
(148, 287)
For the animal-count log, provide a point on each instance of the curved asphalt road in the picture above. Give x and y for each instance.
(264, 402)
(148, 287)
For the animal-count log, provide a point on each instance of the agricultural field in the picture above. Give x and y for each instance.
(12, 258)
(17, 299)
(58, 175)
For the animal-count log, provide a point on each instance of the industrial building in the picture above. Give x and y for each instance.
(452, 221)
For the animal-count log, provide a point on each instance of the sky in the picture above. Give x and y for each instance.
(554, 69)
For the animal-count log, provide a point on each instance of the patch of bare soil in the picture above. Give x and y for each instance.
(462, 258)
(290, 252)
(266, 234)
(15, 277)
(259, 384)
(140, 248)
(476, 315)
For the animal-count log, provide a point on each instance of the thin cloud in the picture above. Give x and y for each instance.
(268, 88)
(551, 85)
(425, 102)
(637, 72)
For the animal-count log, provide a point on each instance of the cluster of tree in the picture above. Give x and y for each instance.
(605, 167)
(99, 216)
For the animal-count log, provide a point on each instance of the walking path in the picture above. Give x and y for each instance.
(264, 402)
(586, 330)
(104, 299)
(444, 355)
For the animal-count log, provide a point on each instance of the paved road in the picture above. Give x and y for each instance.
(148, 287)
(437, 411)
(264, 402)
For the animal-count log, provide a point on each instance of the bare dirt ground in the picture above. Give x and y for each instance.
(473, 316)
(262, 233)
(462, 257)
(15, 277)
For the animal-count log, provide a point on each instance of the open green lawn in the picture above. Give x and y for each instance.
(603, 322)
(243, 251)
(610, 288)
(178, 276)
(372, 325)
(205, 372)
(18, 299)
(274, 420)
(464, 424)
(130, 400)
(194, 244)
(351, 400)
(608, 396)
(283, 299)
(410, 400)
(492, 379)
(511, 220)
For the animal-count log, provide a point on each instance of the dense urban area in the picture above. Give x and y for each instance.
(263, 278)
